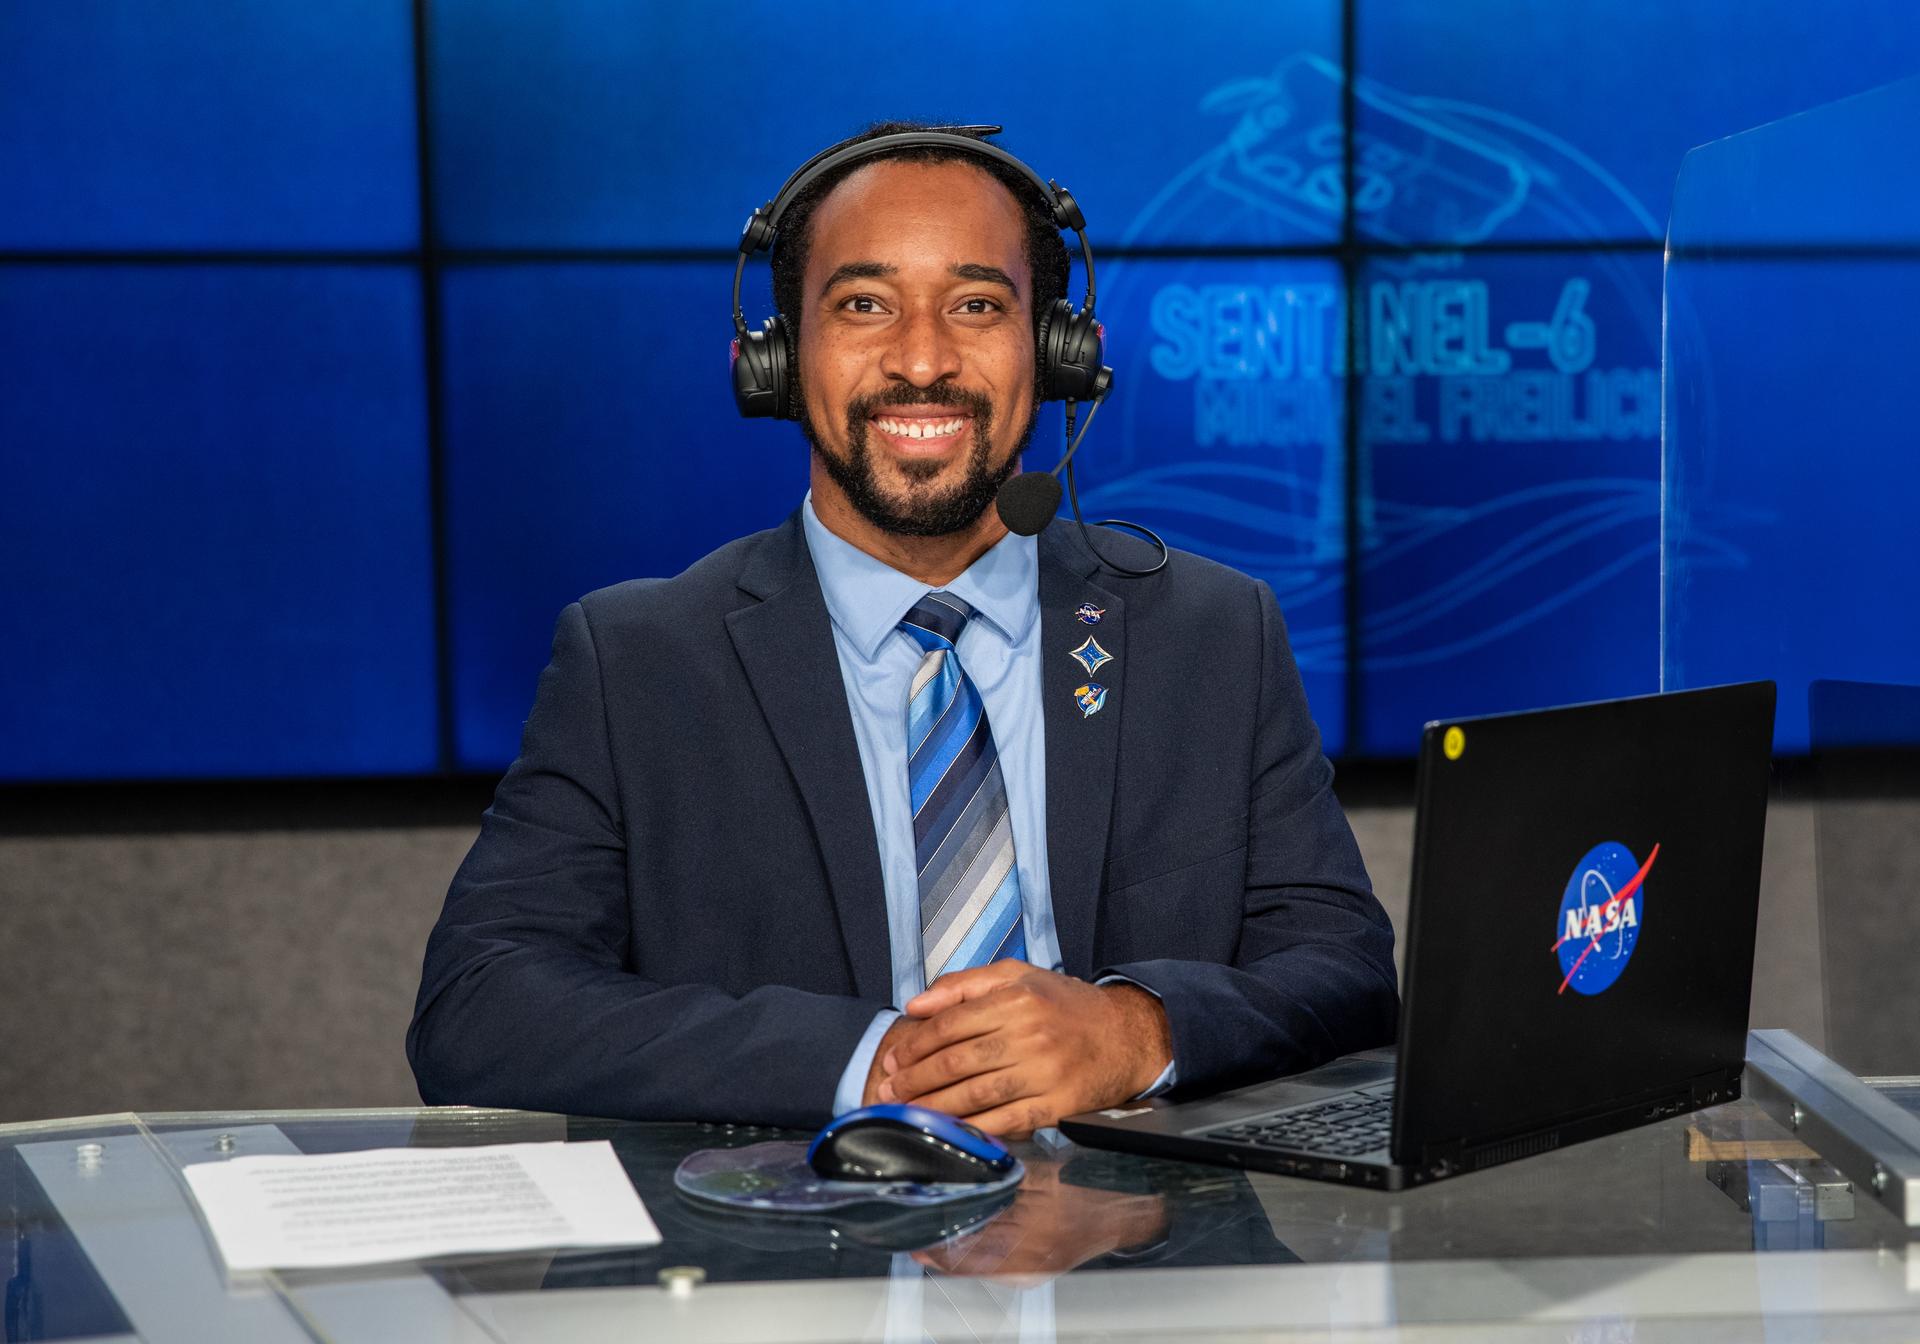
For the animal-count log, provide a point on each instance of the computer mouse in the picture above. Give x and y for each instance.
(892, 1142)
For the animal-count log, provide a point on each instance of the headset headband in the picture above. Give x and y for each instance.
(763, 224)
(1065, 213)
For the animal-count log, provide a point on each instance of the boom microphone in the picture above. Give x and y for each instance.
(1028, 502)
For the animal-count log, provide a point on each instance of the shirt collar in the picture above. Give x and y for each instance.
(866, 597)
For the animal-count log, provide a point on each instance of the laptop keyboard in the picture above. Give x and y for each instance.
(1345, 1126)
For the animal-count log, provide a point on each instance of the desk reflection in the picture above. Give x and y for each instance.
(1052, 1227)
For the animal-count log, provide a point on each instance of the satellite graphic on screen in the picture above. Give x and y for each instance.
(1509, 406)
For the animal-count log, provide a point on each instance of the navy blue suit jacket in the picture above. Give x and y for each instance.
(674, 909)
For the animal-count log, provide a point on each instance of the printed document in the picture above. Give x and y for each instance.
(322, 1210)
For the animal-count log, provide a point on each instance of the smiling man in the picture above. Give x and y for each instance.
(841, 814)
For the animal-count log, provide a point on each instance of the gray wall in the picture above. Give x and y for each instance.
(213, 948)
(225, 947)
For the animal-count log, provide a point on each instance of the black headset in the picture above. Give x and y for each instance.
(1067, 341)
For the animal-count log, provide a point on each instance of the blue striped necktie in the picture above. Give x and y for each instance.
(962, 830)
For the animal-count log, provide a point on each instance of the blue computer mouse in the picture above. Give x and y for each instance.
(891, 1142)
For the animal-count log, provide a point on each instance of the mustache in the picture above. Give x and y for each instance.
(976, 404)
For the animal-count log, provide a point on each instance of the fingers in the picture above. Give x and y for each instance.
(1018, 1119)
(901, 1030)
(960, 986)
(974, 1092)
(946, 1067)
(961, 1022)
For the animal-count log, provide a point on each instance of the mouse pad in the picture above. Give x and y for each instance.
(775, 1178)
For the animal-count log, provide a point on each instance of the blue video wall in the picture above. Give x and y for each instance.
(346, 343)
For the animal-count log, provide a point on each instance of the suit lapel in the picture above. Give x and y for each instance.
(785, 643)
(1082, 749)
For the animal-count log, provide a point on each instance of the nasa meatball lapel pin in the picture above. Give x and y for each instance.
(1088, 614)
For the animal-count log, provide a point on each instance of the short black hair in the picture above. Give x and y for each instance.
(1047, 255)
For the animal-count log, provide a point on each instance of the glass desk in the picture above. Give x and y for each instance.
(1720, 1225)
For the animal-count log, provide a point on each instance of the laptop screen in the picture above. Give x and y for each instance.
(1586, 884)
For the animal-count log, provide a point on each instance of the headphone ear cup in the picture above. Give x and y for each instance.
(1071, 344)
(1043, 350)
(762, 364)
(787, 367)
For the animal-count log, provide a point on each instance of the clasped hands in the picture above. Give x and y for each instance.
(1011, 1048)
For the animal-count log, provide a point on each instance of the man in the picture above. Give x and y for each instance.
(761, 806)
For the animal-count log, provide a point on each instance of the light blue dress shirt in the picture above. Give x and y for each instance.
(1000, 650)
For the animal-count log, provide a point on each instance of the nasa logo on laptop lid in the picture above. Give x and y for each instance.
(1600, 917)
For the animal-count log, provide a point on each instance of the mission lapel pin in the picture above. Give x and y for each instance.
(1091, 698)
(1088, 614)
(1092, 656)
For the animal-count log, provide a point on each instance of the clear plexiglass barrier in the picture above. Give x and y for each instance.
(1790, 542)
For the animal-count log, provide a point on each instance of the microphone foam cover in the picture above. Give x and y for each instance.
(1027, 502)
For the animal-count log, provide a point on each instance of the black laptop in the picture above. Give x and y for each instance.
(1579, 952)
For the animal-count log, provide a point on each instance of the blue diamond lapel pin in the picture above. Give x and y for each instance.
(1088, 614)
(1091, 698)
(1092, 656)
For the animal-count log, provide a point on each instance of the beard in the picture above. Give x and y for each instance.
(924, 509)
